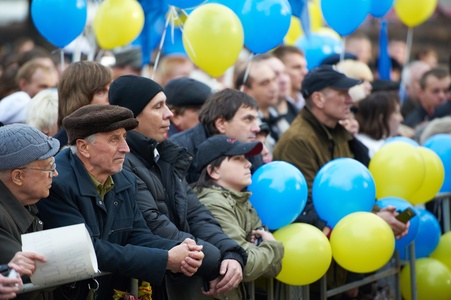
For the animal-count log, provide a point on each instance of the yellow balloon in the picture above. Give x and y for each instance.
(414, 12)
(118, 22)
(178, 19)
(443, 250)
(362, 242)
(316, 17)
(213, 38)
(398, 170)
(433, 280)
(307, 254)
(433, 179)
(294, 32)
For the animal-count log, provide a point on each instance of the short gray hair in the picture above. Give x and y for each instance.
(436, 126)
(90, 139)
(43, 110)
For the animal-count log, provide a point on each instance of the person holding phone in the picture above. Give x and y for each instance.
(225, 173)
(315, 138)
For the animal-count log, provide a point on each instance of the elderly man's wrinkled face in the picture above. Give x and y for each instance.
(37, 180)
(105, 155)
(335, 105)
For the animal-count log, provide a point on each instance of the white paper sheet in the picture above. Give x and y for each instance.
(69, 252)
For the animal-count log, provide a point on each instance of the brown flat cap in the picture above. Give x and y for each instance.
(94, 118)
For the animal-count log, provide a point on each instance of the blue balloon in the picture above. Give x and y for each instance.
(441, 145)
(173, 43)
(345, 16)
(235, 5)
(427, 238)
(402, 139)
(184, 3)
(150, 36)
(59, 21)
(341, 187)
(317, 47)
(401, 205)
(265, 23)
(379, 8)
(154, 21)
(279, 193)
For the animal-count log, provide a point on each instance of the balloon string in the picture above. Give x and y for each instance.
(62, 59)
(163, 36)
(246, 73)
(76, 56)
(89, 32)
(186, 38)
(100, 55)
(92, 43)
(408, 44)
(215, 85)
(342, 54)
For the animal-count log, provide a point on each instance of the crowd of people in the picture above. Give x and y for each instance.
(158, 169)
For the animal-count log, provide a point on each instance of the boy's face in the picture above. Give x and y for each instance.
(234, 173)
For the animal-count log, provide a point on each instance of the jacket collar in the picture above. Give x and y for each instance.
(170, 153)
(85, 184)
(142, 146)
(19, 213)
(200, 134)
(338, 134)
(239, 197)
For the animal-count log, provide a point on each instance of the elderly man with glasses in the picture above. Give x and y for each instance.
(27, 167)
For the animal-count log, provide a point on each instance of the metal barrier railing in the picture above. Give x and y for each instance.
(29, 287)
(303, 292)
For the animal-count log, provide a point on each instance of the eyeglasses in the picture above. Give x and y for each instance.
(51, 171)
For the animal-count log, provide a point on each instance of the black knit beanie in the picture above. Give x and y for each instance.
(133, 92)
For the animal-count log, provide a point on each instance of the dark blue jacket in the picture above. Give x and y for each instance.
(123, 243)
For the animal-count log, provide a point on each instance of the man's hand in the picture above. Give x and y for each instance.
(9, 287)
(230, 276)
(194, 260)
(265, 235)
(185, 258)
(350, 125)
(25, 262)
(389, 215)
(212, 291)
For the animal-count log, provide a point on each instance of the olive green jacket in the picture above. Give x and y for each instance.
(309, 145)
(238, 218)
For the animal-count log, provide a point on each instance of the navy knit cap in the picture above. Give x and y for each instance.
(22, 144)
(133, 92)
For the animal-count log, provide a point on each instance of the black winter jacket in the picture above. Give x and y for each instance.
(169, 205)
